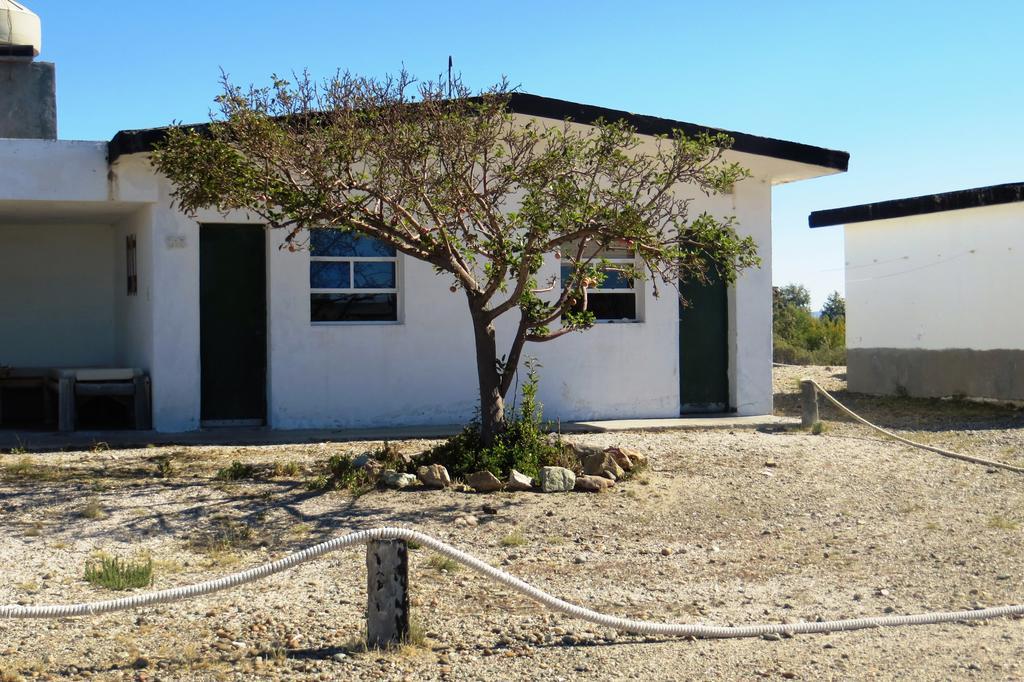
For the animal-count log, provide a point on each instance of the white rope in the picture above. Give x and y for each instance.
(906, 441)
(500, 576)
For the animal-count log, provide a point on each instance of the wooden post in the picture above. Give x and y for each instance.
(66, 402)
(387, 593)
(808, 404)
(141, 407)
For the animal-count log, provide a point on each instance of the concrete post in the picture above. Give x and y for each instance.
(387, 593)
(66, 402)
(808, 404)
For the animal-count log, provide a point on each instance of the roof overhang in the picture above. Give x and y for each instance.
(930, 203)
(802, 160)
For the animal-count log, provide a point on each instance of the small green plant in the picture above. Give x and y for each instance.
(818, 428)
(18, 449)
(443, 563)
(522, 445)
(287, 469)
(164, 468)
(513, 539)
(417, 635)
(319, 482)
(391, 457)
(236, 472)
(93, 509)
(342, 473)
(300, 529)
(119, 574)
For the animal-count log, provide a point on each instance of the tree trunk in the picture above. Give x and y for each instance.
(492, 399)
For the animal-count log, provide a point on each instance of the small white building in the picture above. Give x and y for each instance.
(934, 293)
(98, 270)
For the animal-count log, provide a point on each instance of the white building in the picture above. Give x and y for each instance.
(934, 295)
(97, 270)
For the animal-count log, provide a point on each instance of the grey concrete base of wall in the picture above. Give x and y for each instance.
(28, 106)
(922, 373)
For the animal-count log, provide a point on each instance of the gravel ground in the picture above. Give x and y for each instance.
(726, 527)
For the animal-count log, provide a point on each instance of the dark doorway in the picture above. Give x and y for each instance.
(233, 324)
(704, 347)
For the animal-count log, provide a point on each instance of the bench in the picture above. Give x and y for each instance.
(71, 384)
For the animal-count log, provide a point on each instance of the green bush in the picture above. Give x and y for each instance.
(521, 445)
(236, 472)
(117, 574)
(799, 338)
(343, 473)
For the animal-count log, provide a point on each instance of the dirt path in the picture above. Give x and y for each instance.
(727, 527)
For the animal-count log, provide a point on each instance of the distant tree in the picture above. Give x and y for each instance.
(800, 338)
(834, 308)
(791, 295)
(452, 178)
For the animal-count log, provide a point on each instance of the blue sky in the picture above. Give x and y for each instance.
(926, 96)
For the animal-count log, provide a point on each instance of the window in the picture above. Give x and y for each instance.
(352, 278)
(615, 299)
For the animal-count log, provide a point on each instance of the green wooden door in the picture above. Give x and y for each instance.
(704, 347)
(233, 324)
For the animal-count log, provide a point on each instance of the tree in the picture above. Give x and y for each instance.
(800, 338)
(454, 179)
(834, 308)
(791, 295)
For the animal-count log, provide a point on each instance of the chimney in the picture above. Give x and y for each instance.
(28, 90)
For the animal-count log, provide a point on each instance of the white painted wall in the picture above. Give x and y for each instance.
(937, 281)
(56, 295)
(419, 371)
(175, 371)
(422, 370)
(133, 315)
(750, 304)
(53, 170)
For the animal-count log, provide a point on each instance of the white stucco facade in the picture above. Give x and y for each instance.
(932, 298)
(937, 281)
(65, 213)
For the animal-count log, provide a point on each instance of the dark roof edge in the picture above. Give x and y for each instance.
(546, 107)
(138, 141)
(991, 195)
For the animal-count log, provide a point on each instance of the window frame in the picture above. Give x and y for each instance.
(352, 260)
(636, 290)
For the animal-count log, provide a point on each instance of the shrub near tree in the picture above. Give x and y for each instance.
(455, 180)
(799, 338)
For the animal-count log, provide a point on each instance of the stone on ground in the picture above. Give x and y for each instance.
(601, 463)
(628, 458)
(434, 476)
(393, 479)
(483, 482)
(557, 480)
(593, 484)
(519, 481)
